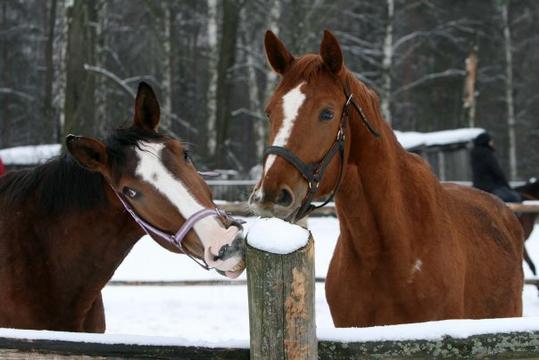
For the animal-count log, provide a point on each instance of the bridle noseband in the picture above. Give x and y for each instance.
(313, 172)
(177, 238)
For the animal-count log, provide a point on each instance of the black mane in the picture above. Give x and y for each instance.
(62, 185)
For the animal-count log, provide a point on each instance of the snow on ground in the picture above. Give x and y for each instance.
(220, 313)
(116, 338)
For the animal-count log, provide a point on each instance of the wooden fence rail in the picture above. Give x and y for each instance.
(242, 208)
(513, 345)
(241, 282)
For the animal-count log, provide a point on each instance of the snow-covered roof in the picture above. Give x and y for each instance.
(413, 139)
(29, 155)
(32, 155)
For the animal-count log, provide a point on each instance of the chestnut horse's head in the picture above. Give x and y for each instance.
(308, 116)
(154, 175)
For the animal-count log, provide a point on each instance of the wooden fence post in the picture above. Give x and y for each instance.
(281, 303)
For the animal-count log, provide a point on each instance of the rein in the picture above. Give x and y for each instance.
(177, 238)
(314, 172)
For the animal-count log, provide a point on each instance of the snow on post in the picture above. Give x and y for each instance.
(280, 283)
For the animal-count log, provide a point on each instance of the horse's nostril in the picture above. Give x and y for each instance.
(222, 252)
(284, 198)
(255, 197)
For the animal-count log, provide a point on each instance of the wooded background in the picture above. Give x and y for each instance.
(72, 66)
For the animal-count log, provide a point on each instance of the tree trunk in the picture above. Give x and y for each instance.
(101, 61)
(509, 99)
(79, 107)
(6, 82)
(211, 96)
(48, 112)
(60, 65)
(469, 103)
(271, 79)
(259, 92)
(254, 103)
(166, 84)
(227, 51)
(387, 62)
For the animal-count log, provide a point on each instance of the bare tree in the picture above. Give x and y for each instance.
(101, 93)
(167, 24)
(48, 112)
(468, 100)
(75, 69)
(227, 51)
(387, 60)
(211, 94)
(6, 81)
(260, 77)
(79, 107)
(509, 97)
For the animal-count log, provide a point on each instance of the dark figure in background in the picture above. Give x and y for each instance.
(487, 173)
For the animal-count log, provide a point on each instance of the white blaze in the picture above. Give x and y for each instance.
(292, 102)
(151, 169)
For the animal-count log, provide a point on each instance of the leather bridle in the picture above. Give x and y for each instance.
(314, 172)
(177, 238)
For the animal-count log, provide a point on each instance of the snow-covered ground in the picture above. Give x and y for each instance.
(219, 313)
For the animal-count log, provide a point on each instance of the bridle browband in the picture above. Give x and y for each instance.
(313, 172)
(177, 238)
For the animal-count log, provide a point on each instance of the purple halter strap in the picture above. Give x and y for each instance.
(176, 239)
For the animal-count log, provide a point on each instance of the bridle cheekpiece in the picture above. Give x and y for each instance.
(314, 172)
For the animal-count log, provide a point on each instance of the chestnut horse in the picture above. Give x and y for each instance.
(64, 229)
(410, 248)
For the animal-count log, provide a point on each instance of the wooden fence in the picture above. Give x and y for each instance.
(240, 208)
(512, 345)
(281, 313)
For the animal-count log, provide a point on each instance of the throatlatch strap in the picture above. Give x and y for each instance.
(359, 109)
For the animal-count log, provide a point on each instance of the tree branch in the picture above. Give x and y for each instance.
(430, 77)
(9, 91)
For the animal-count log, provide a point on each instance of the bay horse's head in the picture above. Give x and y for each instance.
(308, 115)
(152, 174)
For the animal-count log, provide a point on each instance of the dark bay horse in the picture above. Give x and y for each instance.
(64, 229)
(410, 248)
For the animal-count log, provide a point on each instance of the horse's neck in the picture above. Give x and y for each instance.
(377, 200)
(97, 243)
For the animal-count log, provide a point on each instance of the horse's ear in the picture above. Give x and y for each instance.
(147, 111)
(331, 52)
(89, 153)
(278, 55)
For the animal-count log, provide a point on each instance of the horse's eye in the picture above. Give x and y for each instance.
(326, 115)
(127, 191)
